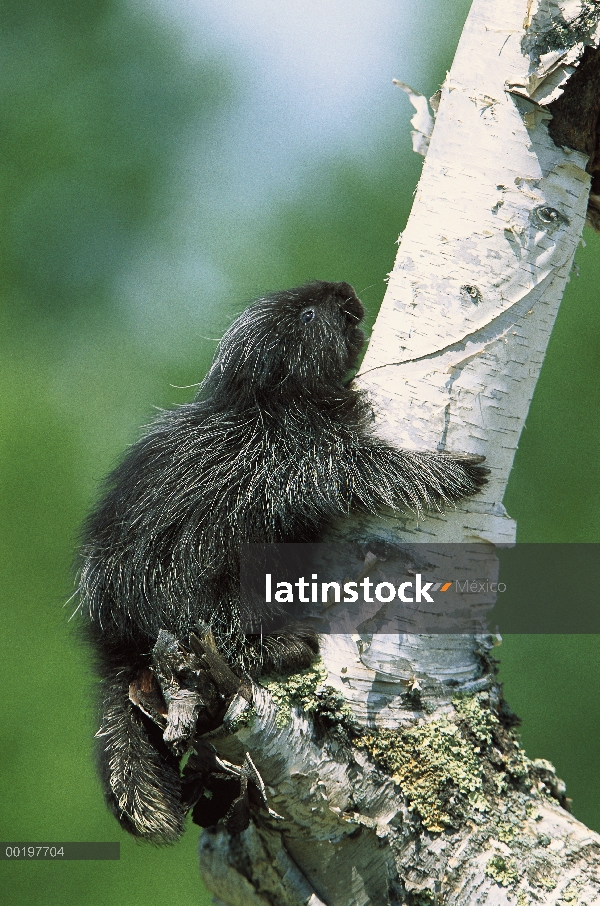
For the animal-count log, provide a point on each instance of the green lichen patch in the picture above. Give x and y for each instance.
(479, 720)
(503, 871)
(540, 869)
(437, 769)
(459, 766)
(570, 893)
(294, 690)
(542, 872)
(544, 36)
(334, 714)
(305, 690)
(506, 832)
(507, 764)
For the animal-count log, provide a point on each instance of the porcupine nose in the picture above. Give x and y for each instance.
(349, 302)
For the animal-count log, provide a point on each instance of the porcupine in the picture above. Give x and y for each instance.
(276, 445)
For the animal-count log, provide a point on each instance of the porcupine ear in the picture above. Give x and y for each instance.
(257, 352)
(248, 357)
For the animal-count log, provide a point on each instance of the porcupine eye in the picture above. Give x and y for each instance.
(307, 315)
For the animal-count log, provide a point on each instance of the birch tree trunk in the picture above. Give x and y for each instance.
(410, 786)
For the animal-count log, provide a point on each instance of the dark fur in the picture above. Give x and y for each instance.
(273, 449)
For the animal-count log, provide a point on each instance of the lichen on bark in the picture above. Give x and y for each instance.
(456, 767)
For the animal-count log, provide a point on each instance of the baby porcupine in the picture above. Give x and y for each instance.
(274, 448)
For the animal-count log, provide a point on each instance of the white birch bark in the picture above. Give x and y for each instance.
(452, 365)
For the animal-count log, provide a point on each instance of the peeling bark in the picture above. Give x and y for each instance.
(394, 765)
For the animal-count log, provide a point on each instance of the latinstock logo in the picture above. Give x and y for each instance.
(410, 592)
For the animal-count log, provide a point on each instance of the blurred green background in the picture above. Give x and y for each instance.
(160, 165)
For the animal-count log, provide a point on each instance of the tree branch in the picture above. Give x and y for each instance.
(405, 783)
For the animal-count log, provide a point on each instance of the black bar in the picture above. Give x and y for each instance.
(58, 852)
(395, 587)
